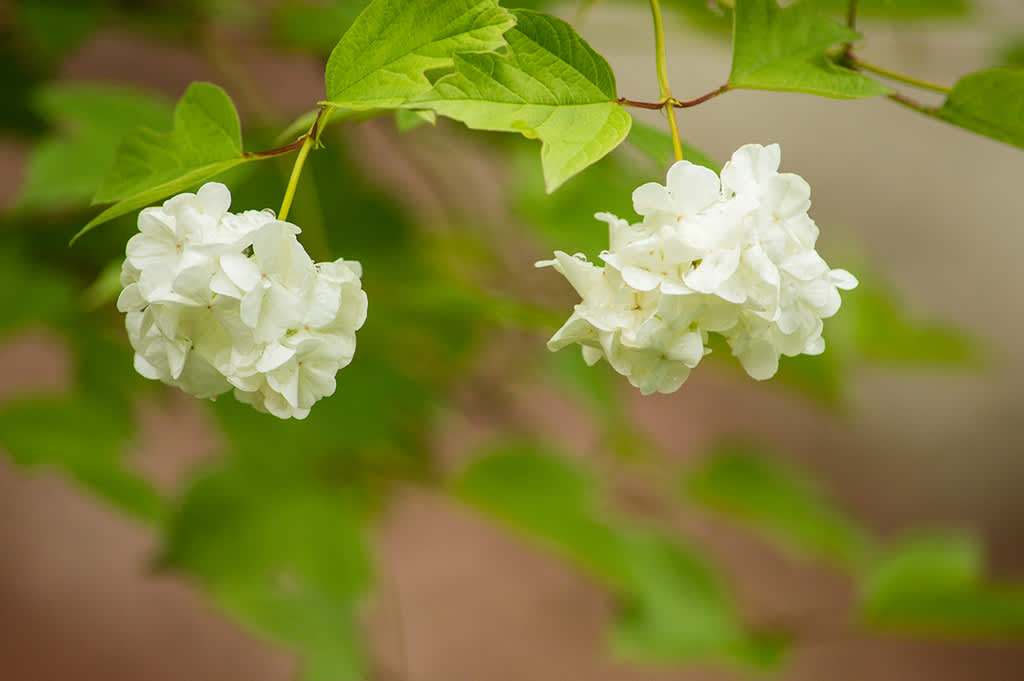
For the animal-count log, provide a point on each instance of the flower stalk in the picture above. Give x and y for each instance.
(665, 92)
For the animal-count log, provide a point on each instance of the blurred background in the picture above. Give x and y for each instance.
(913, 419)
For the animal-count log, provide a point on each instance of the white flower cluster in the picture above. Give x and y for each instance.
(218, 300)
(733, 255)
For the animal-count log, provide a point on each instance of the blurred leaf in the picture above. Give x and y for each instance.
(67, 167)
(779, 501)
(56, 27)
(934, 584)
(678, 610)
(286, 555)
(565, 220)
(314, 26)
(990, 103)
(148, 166)
(550, 85)
(878, 329)
(381, 60)
(784, 49)
(900, 9)
(657, 146)
(410, 119)
(707, 15)
(22, 76)
(47, 301)
(673, 607)
(84, 438)
(1011, 54)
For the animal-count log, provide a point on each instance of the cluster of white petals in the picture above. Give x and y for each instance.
(732, 255)
(218, 300)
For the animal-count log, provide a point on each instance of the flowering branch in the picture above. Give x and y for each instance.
(676, 103)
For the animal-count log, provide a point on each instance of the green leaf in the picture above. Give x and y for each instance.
(206, 140)
(287, 556)
(785, 49)
(990, 103)
(551, 85)
(779, 501)
(673, 607)
(935, 584)
(88, 441)
(67, 167)
(381, 60)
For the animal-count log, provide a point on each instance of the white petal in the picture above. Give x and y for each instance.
(693, 188)
(842, 279)
(651, 198)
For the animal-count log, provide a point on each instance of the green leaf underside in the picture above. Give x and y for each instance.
(380, 61)
(206, 140)
(935, 584)
(779, 501)
(673, 606)
(63, 168)
(784, 49)
(551, 85)
(990, 103)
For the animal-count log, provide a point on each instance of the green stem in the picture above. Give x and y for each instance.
(293, 181)
(663, 86)
(897, 76)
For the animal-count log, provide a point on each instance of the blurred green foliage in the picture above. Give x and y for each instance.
(275, 529)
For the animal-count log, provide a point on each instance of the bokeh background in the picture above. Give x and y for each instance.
(934, 210)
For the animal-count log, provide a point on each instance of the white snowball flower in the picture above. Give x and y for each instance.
(732, 255)
(217, 300)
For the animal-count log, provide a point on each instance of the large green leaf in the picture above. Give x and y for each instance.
(990, 103)
(935, 584)
(380, 61)
(672, 606)
(67, 167)
(206, 140)
(778, 500)
(285, 554)
(88, 441)
(784, 49)
(550, 85)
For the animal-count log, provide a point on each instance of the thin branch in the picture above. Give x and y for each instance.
(677, 103)
(896, 75)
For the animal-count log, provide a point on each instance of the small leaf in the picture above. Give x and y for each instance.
(990, 103)
(778, 500)
(784, 49)
(380, 61)
(67, 167)
(935, 584)
(88, 441)
(551, 85)
(206, 140)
